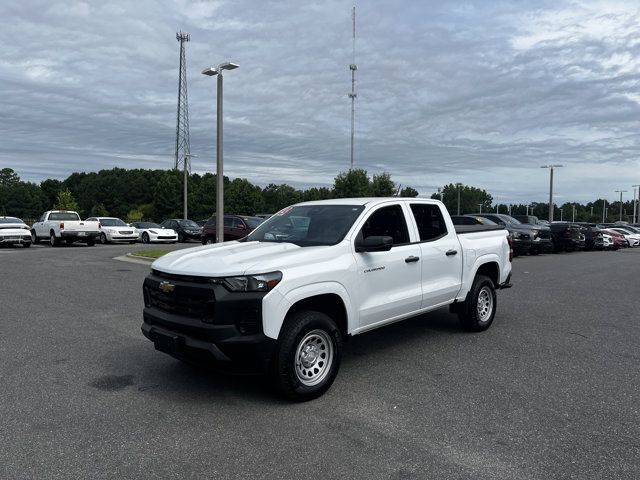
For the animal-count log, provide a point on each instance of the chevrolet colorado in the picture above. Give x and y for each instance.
(286, 296)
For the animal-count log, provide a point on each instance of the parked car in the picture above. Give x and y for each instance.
(283, 302)
(592, 235)
(470, 220)
(633, 239)
(58, 225)
(149, 232)
(14, 231)
(186, 229)
(235, 227)
(526, 238)
(113, 229)
(618, 239)
(567, 237)
(528, 219)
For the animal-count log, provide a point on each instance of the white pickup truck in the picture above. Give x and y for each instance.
(315, 273)
(58, 225)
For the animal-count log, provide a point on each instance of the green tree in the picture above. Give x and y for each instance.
(66, 201)
(8, 178)
(276, 197)
(243, 198)
(471, 199)
(167, 196)
(99, 210)
(50, 189)
(408, 192)
(354, 183)
(382, 186)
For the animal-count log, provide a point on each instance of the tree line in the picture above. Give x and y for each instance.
(135, 194)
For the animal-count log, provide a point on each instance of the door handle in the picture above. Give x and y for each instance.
(411, 259)
(451, 252)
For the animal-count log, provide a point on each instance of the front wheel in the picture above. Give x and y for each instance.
(479, 309)
(181, 238)
(103, 239)
(26, 245)
(34, 237)
(145, 237)
(307, 356)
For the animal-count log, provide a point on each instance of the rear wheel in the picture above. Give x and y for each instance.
(26, 245)
(307, 356)
(53, 240)
(479, 309)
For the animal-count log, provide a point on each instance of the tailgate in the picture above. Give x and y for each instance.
(79, 226)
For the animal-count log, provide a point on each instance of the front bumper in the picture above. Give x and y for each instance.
(542, 244)
(15, 239)
(204, 323)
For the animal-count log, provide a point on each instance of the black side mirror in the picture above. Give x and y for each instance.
(374, 244)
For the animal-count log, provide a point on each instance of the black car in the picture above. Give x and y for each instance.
(567, 237)
(533, 239)
(186, 229)
(592, 236)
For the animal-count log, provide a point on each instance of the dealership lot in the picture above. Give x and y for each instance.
(552, 390)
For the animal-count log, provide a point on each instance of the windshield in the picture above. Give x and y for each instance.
(308, 225)
(10, 220)
(146, 225)
(112, 222)
(253, 222)
(188, 224)
(69, 216)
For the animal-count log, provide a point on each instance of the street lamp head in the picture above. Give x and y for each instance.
(210, 71)
(228, 66)
(551, 166)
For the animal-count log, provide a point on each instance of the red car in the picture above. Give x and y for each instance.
(235, 228)
(618, 239)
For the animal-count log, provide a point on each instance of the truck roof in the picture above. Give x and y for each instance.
(365, 201)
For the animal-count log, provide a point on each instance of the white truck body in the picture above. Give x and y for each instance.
(57, 225)
(317, 272)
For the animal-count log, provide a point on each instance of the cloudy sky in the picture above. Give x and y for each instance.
(478, 92)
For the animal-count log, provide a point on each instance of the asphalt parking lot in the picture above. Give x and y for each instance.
(551, 391)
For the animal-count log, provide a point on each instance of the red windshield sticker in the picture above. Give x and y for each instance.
(284, 211)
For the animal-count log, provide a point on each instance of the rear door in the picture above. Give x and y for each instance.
(389, 282)
(441, 255)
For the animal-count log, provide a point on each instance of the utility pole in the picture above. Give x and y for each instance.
(353, 67)
(551, 167)
(635, 203)
(620, 192)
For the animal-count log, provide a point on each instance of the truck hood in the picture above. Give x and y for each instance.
(235, 258)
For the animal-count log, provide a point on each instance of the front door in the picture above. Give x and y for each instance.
(389, 282)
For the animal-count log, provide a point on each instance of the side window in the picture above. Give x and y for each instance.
(237, 223)
(211, 221)
(228, 222)
(430, 221)
(43, 217)
(387, 222)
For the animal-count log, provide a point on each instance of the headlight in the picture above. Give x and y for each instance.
(517, 235)
(153, 231)
(252, 283)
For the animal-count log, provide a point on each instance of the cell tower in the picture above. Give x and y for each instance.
(182, 123)
(353, 67)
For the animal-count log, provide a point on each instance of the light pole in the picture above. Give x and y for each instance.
(458, 185)
(480, 205)
(604, 210)
(635, 203)
(219, 170)
(561, 213)
(573, 214)
(186, 162)
(551, 167)
(620, 192)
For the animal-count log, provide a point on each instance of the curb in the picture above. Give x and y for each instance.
(135, 259)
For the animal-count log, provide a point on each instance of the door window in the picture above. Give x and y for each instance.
(430, 221)
(228, 222)
(237, 223)
(387, 222)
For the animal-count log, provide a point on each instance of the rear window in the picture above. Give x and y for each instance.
(68, 216)
(430, 221)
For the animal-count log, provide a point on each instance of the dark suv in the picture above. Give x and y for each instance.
(567, 237)
(235, 228)
(526, 238)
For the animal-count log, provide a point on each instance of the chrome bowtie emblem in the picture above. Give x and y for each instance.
(166, 287)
